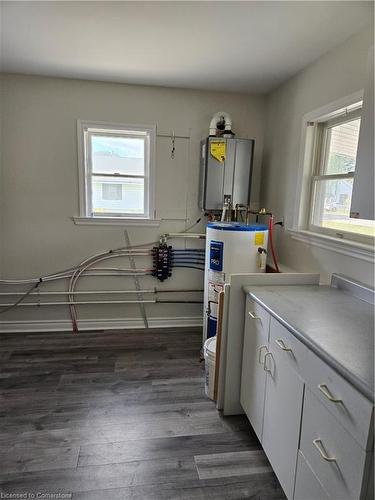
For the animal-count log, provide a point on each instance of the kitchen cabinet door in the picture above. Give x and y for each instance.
(253, 378)
(283, 404)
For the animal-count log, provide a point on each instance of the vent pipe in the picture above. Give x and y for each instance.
(221, 121)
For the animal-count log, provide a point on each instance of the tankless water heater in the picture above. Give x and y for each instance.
(225, 172)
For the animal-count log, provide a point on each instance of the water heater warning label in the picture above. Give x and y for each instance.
(218, 150)
(216, 276)
(259, 239)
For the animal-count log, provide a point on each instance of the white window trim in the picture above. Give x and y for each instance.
(344, 247)
(84, 216)
(300, 223)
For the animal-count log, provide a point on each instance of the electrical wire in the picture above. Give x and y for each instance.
(193, 225)
(26, 294)
(190, 267)
(197, 264)
(66, 273)
(187, 259)
(189, 256)
(187, 250)
(189, 262)
(200, 255)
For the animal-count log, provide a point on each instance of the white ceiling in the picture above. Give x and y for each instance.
(238, 46)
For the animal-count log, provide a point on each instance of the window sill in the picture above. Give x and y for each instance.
(116, 221)
(345, 247)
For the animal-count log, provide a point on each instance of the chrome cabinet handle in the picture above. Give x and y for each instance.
(319, 446)
(252, 315)
(324, 389)
(282, 346)
(260, 353)
(265, 367)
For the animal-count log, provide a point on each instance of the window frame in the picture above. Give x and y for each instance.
(322, 127)
(297, 224)
(85, 130)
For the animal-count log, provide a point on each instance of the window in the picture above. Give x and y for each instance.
(116, 170)
(334, 152)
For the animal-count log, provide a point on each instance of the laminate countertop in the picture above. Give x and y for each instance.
(335, 325)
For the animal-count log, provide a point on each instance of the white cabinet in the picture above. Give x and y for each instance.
(253, 382)
(283, 404)
(315, 427)
(272, 391)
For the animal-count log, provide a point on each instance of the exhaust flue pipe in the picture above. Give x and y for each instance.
(220, 115)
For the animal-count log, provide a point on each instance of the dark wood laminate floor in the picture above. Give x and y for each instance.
(120, 415)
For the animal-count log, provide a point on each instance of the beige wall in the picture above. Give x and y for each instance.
(339, 73)
(39, 192)
(40, 175)
(1, 170)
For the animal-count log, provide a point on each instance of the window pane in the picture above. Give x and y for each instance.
(342, 147)
(332, 208)
(130, 202)
(121, 155)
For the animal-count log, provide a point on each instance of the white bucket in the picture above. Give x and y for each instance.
(209, 359)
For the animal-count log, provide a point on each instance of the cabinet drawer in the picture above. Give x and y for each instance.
(308, 487)
(285, 343)
(350, 407)
(335, 457)
(257, 317)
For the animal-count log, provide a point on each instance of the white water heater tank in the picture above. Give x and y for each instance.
(231, 248)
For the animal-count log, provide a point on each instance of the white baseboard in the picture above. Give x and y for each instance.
(98, 324)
